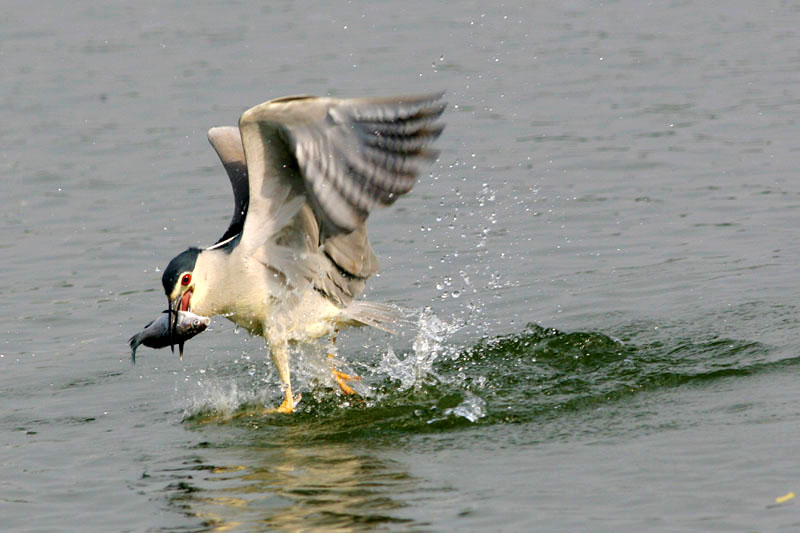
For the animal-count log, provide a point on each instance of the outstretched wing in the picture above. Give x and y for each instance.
(317, 167)
(351, 254)
(348, 155)
(228, 144)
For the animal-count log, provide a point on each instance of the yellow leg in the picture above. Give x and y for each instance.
(289, 402)
(340, 377)
(280, 356)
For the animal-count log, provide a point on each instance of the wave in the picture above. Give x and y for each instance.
(437, 385)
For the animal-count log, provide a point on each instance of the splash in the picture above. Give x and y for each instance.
(385, 383)
(220, 398)
(472, 408)
(429, 346)
(240, 392)
(537, 374)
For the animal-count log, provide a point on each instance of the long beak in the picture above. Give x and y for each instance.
(174, 305)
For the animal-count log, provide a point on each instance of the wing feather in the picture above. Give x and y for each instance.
(352, 154)
(341, 157)
(228, 144)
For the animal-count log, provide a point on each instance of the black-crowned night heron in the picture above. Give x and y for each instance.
(305, 172)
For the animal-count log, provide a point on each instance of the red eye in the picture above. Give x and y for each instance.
(187, 279)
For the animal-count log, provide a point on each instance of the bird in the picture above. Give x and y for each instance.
(306, 172)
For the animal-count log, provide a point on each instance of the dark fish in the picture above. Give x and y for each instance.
(156, 333)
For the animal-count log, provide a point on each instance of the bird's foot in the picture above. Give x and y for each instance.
(342, 379)
(288, 405)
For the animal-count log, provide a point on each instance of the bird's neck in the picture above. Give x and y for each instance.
(209, 274)
(226, 285)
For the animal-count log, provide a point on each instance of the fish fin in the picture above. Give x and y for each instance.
(180, 350)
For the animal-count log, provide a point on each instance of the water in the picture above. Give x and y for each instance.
(600, 272)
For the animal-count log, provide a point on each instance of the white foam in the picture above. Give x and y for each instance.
(221, 397)
(473, 408)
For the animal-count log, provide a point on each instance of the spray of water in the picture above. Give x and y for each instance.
(311, 375)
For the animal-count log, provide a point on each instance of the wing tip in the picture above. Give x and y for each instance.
(217, 132)
(227, 142)
(423, 98)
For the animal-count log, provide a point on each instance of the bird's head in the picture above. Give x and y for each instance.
(179, 286)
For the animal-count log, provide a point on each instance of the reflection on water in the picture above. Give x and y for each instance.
(290, 488)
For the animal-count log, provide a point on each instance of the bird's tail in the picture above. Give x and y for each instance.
(377, 315)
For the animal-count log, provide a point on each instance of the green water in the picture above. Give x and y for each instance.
(557, 386)
(537, 374)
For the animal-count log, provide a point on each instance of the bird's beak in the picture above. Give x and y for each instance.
(173, 321)
(181, 303)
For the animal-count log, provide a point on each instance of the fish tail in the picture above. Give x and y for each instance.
(134, 342)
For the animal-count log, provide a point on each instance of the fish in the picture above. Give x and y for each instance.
(156, 333)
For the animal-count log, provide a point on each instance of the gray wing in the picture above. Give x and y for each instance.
(351, 254)
(355, 261)
(227, 142)
(317, 166)
(349, 155)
